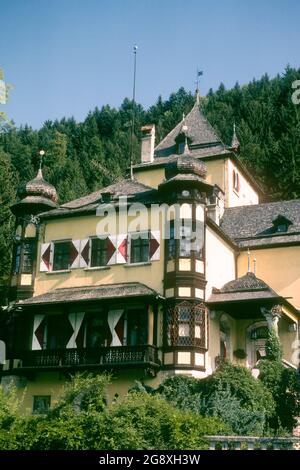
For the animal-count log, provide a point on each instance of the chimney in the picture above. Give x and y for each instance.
(148, 140)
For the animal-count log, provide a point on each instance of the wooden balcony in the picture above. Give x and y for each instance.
(145, 356)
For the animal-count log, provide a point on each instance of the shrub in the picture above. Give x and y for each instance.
(284, 385)
(82, 420)
(273, 346)
(142, 421)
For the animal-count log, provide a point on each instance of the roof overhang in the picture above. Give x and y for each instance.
(91, 294)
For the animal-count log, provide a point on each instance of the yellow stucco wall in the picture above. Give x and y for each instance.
(216, 172)
(279, 268)
(84, 227)
(246, 195)
(52, 383)
(151, 177)
(220, 261)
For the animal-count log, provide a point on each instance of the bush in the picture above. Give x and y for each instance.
(83, 420)
(142, 421)
(273, 346)
(284, 385)
(231, 393)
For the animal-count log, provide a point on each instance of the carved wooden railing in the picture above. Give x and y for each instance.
(106, 356)
(252, 443)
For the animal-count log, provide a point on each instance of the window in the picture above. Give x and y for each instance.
(190, 240)
(58, 331)
(97, 332)
(139, 248)
(61, 256)
(99, 252)
(171, 243)
(17, 258)
(41, 404)
(186, 325)
(137, 331)
(236, 181)
(27, 262)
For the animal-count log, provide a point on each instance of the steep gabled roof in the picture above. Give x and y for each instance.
(250, 225)
(200, 132)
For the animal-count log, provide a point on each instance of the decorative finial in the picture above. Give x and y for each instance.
(248, 253)
(186, 150)
(199, 74)
(41, 154)
(235, 141)
(254, 266)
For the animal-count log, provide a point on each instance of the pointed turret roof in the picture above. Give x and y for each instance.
(200, 131)
(235, 143)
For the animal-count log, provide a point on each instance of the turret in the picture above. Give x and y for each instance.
(34, 197)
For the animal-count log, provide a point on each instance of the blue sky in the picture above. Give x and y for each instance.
(65, 57)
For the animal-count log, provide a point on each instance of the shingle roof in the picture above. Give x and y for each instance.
(89, 203)
(251, 225)
(247, 287)
(199, 130)
(124, 187)
(89, 293)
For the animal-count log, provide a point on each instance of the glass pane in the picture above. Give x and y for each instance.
(27, 258)
(197, 331)
(99, 252)
(184, 329)
(61, 257)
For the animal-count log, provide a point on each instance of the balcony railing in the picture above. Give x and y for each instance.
(106, 356)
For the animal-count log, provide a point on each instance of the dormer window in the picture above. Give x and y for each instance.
(281, 224)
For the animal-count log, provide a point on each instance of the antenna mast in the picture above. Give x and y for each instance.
(135, 48)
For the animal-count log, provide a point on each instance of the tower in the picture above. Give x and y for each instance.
(34, 197)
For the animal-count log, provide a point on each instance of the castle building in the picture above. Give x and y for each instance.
(171, 272)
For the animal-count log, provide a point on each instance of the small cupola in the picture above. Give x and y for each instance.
(37, 195)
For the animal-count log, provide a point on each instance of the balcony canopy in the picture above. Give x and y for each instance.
(91, 293)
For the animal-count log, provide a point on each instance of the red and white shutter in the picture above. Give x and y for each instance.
(84, 260)
(38, 337)
(122, 244)
(74, 254)
(111, 249)
(45, 257)
(76, 340)
(154, 245)
(115, 321)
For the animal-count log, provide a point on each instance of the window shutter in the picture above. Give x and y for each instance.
(76, 320)
(45, 257)
(154, 248)
(116, 325)
(74, 254)
(122, 244)
(112, 249)
(84, 253)
(38, 336)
